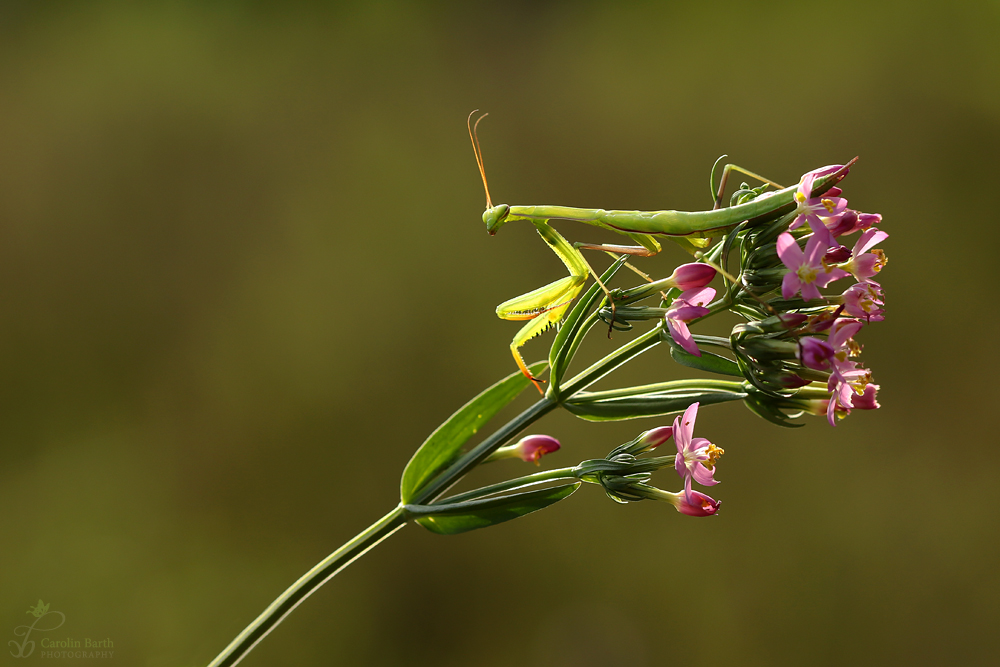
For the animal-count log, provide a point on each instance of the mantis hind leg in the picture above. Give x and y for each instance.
(725, 178)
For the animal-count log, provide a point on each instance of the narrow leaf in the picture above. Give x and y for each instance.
(444, 445)
(462, 517)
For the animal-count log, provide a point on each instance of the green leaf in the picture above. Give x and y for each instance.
(565, 344)
(650, 401)
(462, 517)
(444, 445)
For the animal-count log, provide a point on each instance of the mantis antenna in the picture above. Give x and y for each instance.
(479, 152)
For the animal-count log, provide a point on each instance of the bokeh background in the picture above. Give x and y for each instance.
(243, 274)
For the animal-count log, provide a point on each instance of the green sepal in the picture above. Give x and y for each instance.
(769, 412)
(567, 339)
(713, 363)
(462, 517)
(444, 445)
(650, 400)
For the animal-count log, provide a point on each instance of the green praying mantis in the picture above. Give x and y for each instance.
(545, 307)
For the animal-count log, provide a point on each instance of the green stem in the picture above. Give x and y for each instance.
(307, 585)
(609, 363)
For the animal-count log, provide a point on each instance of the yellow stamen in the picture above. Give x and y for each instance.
(881, 261)
(714, 453)
(828, 205)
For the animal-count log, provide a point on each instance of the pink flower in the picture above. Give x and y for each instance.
(848, 399)
(847, 380)
(844, 347)
(810, 208)
(864, 300)
(806, 271)
(696, 457)
(690, 305)
(863, 265)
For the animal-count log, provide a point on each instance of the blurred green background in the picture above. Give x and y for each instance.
(243, 274)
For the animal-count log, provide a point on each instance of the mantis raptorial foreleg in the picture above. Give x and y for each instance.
(546, 305)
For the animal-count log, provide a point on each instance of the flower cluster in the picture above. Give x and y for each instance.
(801, 354)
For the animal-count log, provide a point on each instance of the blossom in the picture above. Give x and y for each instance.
(809, 208)
(690, 305)
(862, 264)
(696, 457)
(806, 270)
(864, 300)
(847, 380)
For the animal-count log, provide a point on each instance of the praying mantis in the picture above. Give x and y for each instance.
(545, 307)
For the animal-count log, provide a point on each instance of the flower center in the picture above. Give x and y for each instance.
(807, 274)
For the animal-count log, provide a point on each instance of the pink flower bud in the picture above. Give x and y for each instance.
(533, 447)
(655, 437)
(699, 504)
(846, 224)
(691, 276)
(815, 353)
(866, 220)
(792, 320)
(837, 255)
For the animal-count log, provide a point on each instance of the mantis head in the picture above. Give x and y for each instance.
(494, 217)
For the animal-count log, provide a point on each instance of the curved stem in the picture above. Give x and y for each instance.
(308, 584)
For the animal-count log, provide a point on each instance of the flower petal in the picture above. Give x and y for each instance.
(703, 475)
(789, 252)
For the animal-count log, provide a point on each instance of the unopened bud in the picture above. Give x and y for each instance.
(691, 276)
(529, 449)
